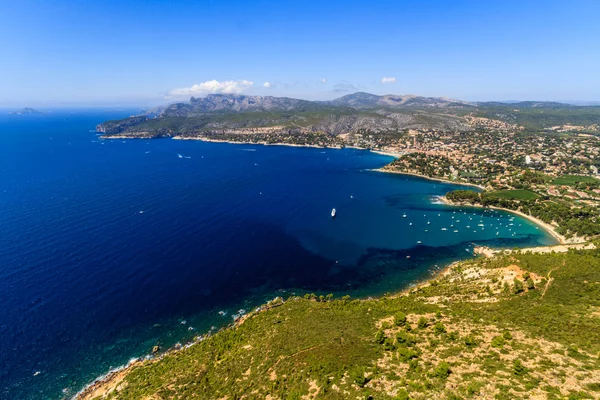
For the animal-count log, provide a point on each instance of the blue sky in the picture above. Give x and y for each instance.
(68, 53)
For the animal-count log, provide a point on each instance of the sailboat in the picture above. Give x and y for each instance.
(333, 213)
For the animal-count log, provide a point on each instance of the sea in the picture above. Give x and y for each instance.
(111, 247)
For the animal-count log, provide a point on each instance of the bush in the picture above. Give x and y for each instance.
(470, 341)
(380, 337)
(442, 370)
(507, 335)
(388, 344)
(529, 283)
(517, 286)
(406, 339)
(413, 365)
(402, 395)
(400, 319)
(439, 328)
(518, 368)
(498, 342)
(423, 323)
(405, 354)
(358, 376)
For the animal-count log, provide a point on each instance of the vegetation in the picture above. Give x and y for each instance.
(573, 180)
(461, 336)
(518, 194)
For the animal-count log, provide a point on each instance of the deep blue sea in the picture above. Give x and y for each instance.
(108, 248)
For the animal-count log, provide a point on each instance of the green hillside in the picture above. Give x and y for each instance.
(504, 328)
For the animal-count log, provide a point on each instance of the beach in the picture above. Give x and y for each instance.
(551, 229)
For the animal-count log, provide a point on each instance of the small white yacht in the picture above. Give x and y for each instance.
(333, 213)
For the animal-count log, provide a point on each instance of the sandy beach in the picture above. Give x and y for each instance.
(551, 229)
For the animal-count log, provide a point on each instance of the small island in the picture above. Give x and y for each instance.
(26, 111)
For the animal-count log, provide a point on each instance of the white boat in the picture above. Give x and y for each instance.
(444, 229)
(404, 215)
(333, 213)
(418, 242)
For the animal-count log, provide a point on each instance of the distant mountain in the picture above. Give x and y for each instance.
(526, 104)
(220, 113)
(26, 111)
(367, 100)
(228, 103)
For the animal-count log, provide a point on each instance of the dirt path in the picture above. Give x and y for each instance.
(550, 279)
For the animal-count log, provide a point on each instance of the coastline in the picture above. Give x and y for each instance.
(547, 227)
(387, 171)
(205, 139)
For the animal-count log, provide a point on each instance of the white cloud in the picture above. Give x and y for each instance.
(323, 80)
(267, 84)
(214, 86)
(386, 79)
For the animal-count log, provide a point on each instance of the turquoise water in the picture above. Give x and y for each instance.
(111, 247)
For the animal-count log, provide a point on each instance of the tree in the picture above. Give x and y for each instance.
(400, 319)
(380, 337)
(442, 370)
(498, 342)
(517, 286)
(529, 283)
(422, 323)
(518, 368)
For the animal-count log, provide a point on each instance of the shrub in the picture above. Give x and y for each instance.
(405, 354)
(413, 365)
(453, 336)
(406, 339)
(473, 388)
(358, 376)
(518, 368)
(439, 328)
(380, 337)
(402, 395)
(442, 370)
(507, 335)
(470, 340)
(388, 344)
(400, 319)
(517, 286)
(498, 342)
(529, 284)
(423, 323)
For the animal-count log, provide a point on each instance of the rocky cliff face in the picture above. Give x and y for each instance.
(221, 103)
(367, 100)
